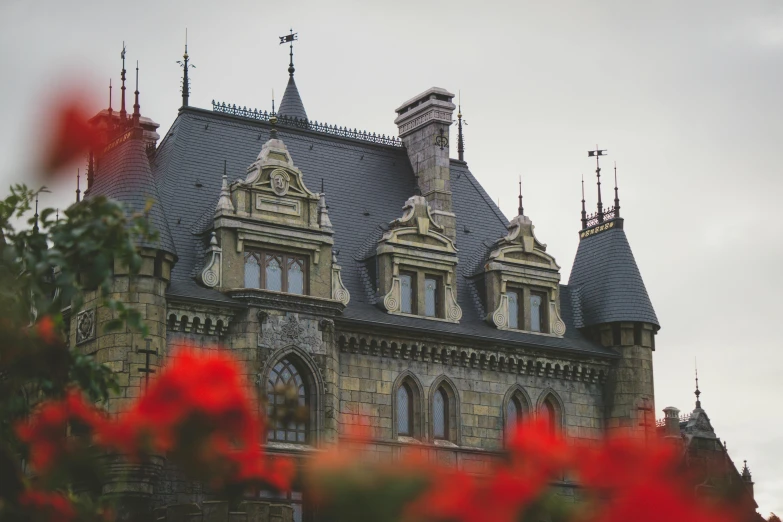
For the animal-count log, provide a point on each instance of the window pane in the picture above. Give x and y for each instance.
(282, 378)
(295, 277)
(535, 313)
(430, 297)
(406, 294)
(403, 411)
(512, 413)
(513, 310)
(549, 415)
(252, 272)
(439, 415)
(274, 274)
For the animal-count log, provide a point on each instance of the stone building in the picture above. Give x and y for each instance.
(372, 273)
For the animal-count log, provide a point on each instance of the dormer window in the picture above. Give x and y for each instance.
(279, 272)
(515, 315)
(538, 315)
(407, 293)
(431, 297)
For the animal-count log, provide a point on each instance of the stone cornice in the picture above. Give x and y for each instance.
(288, 302)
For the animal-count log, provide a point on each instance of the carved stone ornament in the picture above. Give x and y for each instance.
(85, 326)
(339, 292)
(499, 317)
(281, 331)
(280, 181)
(211, 275)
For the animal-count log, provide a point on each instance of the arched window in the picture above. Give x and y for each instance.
(440, 414)
(517, 409)
(513, 413)
(405, 410)
(252, 271)
(549, 412)
(284, 424)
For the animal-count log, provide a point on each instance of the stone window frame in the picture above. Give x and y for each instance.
(286, 256)
(417, 395)
(543, 310)
(414, 275)
(518, 393)
(314, 386)
(419, 276)
(453, 416)
(551, 397)
(522, 308)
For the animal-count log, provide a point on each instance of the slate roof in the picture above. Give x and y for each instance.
(124, 174)
(291, 105)
(366, 185)
(609, 283)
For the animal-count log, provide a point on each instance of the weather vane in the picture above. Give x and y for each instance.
(289, 39)
(598, 152)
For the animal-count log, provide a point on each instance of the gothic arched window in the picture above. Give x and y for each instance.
(405, 410)
(284, 425)
(516, 410)
(549, 412)
(440, 414)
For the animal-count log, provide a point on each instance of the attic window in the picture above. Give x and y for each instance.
(538, 312)
(275, 271)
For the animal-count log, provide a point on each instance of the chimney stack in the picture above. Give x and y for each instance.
(424, 122)
(672, 422)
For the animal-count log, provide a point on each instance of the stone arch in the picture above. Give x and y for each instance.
(453, 418)
(309, 372)
(463, 359)
(183, 325)
(473, 359)
(409, 379)
(550, 397)
(172, 322)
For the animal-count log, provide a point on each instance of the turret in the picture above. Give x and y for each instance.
(616, 311)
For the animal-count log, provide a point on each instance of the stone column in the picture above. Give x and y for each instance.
(424, 122)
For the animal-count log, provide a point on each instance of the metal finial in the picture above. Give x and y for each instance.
(616, 197)
(697, 392)
(289, 39)
(460, 138)
(273, 102)
(136, 105)
(123, 112)
(57, 215)
(520, 210)
(78, 192)
(35, 225)
(598, 152)
(185, 66)
(584, 212)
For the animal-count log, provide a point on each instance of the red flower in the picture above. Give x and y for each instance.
(47, 330)
(71, 135)
(46, 506)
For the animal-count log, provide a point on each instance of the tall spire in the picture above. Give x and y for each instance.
(584, 212)
(136, 105)
(616, 197)
(110, 121)
(185, 66)
(123, 112)
(460, 139)
(520, 210)
(697, 392)
(291, 105)
(78, 191)
(598, 152)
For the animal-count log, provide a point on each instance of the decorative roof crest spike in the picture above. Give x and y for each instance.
(460, 137)
(185, 66)
(123, 112)
(35, 225)
(584, 212)
(109, 122)
(520, 210)
(697, 392)
(598, 152)
(616, 197)
(90, 172)
(78, 192)
(224, 202)
(136, 106)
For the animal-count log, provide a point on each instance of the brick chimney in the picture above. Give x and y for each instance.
(424, 122)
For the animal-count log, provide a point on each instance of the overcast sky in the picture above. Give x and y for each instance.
(686, 96)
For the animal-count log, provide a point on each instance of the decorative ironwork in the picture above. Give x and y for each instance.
(659, 423)
(598, 218)
(441, 140)
(324, 128)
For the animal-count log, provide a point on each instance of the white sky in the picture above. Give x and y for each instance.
(684, 95)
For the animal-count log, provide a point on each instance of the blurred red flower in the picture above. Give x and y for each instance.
(47, 330)
(47, 506)
(70, 134)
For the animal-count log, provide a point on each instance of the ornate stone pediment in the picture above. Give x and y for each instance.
(417, 228)
(521, 247)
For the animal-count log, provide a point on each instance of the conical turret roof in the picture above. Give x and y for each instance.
(610, 285)
(291, 105)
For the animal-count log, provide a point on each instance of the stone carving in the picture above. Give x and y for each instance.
(453, 310)
(197, 319)
(211, 275)
(391, 301)
(339, 292)
(281, 331)
(85, 326)
(500, 316)
(279, 180)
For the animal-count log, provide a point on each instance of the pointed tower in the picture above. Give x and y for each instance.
(291, 105)
(615, 310)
